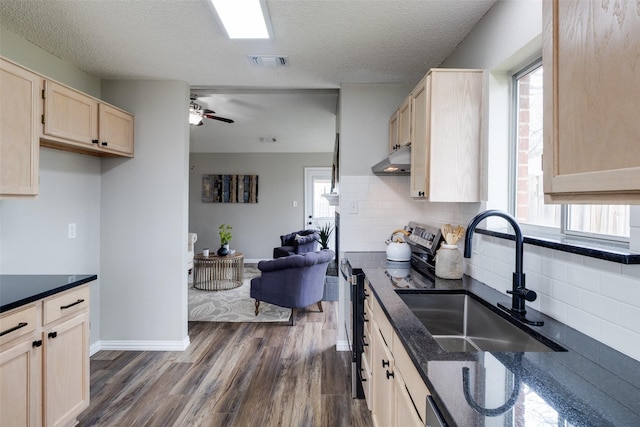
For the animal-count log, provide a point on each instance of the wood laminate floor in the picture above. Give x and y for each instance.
(232, 374)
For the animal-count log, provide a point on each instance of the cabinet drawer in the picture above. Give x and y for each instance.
(381, 319)
(368, 337)
(366, 381)
(417, 389)
(368, 296)
(66, 303)
(18, 322)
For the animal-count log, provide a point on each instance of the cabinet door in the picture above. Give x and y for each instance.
(70, 115)
(66, 376)
(19, 130)
(404, 122)
(591, 101)
(406, 413)
(455, 135)
(420, 137)
(383, 382)
(447, 135)
(116, 130)
(20, 379)
(393, 132)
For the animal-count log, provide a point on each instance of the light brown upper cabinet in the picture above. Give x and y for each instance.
(404, 123)
(116, 130)
(591, 57)
(400, 126)
(393, 132)
(446, 135)
(75, 121)
(20, 107)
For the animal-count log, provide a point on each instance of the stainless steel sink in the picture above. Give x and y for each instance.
(460, 323)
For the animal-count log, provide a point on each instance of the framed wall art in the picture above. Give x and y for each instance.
(229, 188)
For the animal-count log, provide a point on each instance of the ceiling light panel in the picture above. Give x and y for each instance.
(269, 60)
(243, 19)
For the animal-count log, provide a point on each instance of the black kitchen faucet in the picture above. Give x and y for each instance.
(519, 292)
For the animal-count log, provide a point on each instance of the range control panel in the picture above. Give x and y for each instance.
(426, 237)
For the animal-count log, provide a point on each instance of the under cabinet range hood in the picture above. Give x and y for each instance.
(398, 163)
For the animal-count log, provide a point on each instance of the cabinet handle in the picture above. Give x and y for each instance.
(36, 343)
(52, 334)
(366, 295)
(420, 193)
(94, 141)
(390, 374)
(15, 328)
(364, 380)
(64, 307)
(103, 143)
(385, 363)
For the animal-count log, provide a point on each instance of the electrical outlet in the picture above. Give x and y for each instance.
(71, 230)
(294, 204)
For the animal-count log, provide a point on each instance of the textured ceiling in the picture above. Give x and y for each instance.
(327, 43)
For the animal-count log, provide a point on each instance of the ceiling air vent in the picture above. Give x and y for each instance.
(269, 60)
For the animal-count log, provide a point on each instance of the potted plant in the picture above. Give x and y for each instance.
(225, 237)
(324, 232)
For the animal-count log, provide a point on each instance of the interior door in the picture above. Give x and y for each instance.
(317, 211)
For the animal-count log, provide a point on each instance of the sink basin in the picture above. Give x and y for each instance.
(461, 323)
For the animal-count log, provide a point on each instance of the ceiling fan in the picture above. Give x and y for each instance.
(197, 113)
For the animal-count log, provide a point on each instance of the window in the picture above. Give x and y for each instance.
(592, 221)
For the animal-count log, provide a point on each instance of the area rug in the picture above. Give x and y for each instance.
(233, 305)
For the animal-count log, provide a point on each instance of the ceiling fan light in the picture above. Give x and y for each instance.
(243, 19)
(195, 118)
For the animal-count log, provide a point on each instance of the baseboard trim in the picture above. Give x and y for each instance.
(342, 345)
(139, 345)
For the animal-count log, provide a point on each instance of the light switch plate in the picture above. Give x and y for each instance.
(72, 230)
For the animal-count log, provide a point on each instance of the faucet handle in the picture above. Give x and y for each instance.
(527, 294)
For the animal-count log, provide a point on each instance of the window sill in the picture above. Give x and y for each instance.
(608, 253)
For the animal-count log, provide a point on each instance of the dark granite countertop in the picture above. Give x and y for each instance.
(590, 384)
(18, 290)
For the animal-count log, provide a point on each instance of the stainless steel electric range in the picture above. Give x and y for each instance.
(417, 273)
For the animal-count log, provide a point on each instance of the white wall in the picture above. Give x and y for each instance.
(256, 226)
(33, 233)
(598, 298)
(33, 236)
(131, 214)
(144, 221)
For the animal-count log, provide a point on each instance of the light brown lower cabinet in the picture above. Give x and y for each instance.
(20, 104)
(44, 365)
(395, 392)
(382, 402)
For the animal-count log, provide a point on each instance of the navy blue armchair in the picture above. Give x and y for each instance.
(300, 242)
(296, 281)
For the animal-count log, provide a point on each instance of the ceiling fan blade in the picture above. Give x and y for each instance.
(207, 111)
(222, 119)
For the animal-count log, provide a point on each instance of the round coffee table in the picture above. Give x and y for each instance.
(218, 273)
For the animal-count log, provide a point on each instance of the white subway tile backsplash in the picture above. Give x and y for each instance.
(583, 321)
(553, 308)
(620, 338)
(554, 268)
(565, 292)
(538, 283)
(619, 288)
(597, 297)
(602, 265)
(598, 305)
(584, 277)
(629, 316)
